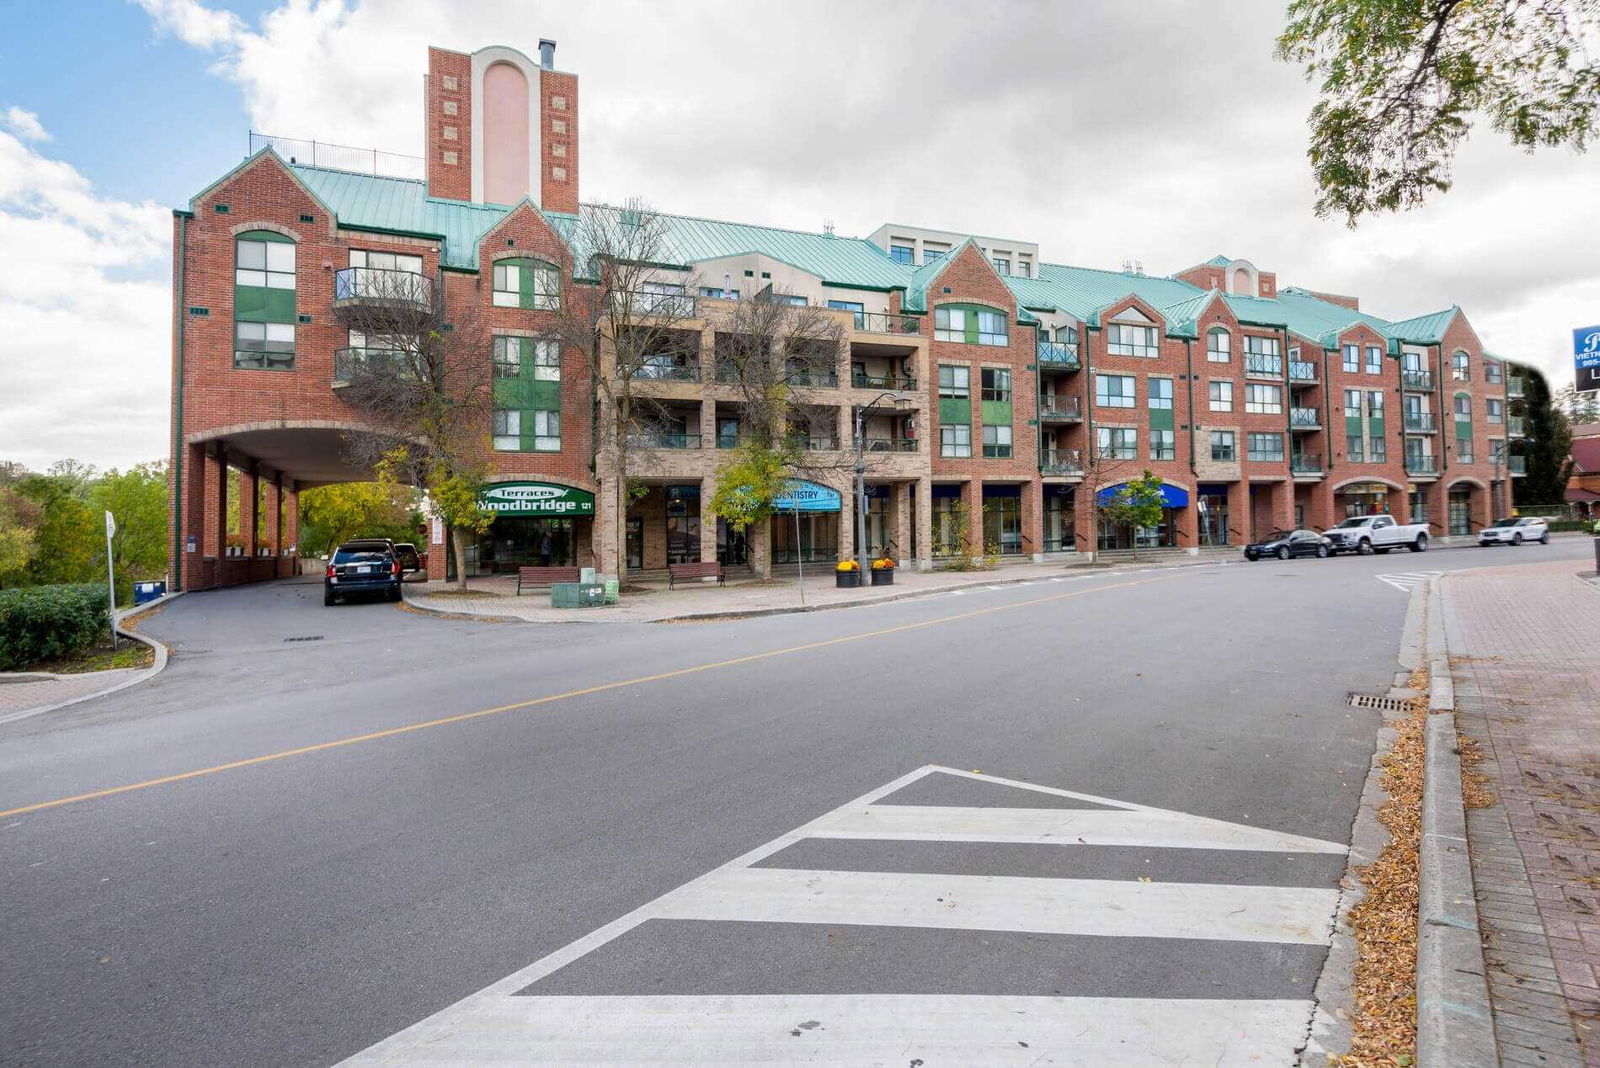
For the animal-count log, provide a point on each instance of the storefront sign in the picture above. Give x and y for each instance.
(803, 496)
(1171, 496)
(536, 498)
(1586, 357)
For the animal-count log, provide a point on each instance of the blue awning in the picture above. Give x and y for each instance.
(802, 496)
(1171, 496)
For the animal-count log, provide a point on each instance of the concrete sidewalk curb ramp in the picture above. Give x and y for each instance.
(156, 668)
(1454, 1022)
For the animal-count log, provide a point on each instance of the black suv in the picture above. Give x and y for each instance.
(369, 565)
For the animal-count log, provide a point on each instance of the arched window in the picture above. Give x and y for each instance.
(263, 301)
(527, 283)
(1460, 367)
(1219, 345)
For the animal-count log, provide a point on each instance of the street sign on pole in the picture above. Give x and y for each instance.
(1586, 357)
(111, 577)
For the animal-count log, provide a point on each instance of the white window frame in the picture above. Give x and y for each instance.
(507, 283)
(1250, 447)
(960, 379)
(1168, 449)
(272, 267)
(1117, 442)
(1261, 398)
(1216, 353)
(1221, 394)
(955, 440)
(991, 328)
(1132, 339)
(950, 324)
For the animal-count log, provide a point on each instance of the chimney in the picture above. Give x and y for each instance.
(547, 53)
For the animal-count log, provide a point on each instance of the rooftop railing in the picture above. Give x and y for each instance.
(340, 157)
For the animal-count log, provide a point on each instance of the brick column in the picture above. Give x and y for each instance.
(847, 519)
(708, 518)
(272, 520)
(249, 507)
(1189, 523)
(1033, 519)
(972, 493)
(290, 526)
(923, 507)
(1320, 515)
(900, 509)
(1086, 539)
(1283, 505)
(1239, 518)
(216, 517)
(196, 509)
(1438, 510)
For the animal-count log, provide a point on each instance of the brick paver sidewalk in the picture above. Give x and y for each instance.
(17, 698)
(1527, 673)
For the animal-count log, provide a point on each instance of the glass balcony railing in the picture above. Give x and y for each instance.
(376, 286)
(1304, 418)
(887, 323)
(351, 363)
(1060, 409)
(1421, 465)
(663, 305)
(1416, 381)
(665, 371)
(813, 444)
(1515, 426)
(1515, 386)
(1420, 423)
(900, 383)
(1057, 354)
(1305, 463)
(1263, 365)
(663, 439)
(813, 379)
(1061, 462)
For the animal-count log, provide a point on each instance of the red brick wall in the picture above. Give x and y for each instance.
(556, 194)
(447, 180)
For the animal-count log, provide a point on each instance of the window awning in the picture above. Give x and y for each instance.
(1171, 496)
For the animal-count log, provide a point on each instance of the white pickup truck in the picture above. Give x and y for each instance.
(1367, 534)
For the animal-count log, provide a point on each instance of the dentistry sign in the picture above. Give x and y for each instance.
(1586, 356)
(536, 498)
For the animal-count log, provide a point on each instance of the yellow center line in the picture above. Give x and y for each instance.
(536, 701)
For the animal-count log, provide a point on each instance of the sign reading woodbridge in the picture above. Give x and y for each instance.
(536, 498)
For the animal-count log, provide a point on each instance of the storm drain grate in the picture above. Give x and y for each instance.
(1385, 704)
(307, 638)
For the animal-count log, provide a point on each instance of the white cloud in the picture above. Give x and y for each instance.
(193, 23)
(24, 124)
(84, 351)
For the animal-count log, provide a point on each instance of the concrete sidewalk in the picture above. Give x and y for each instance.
(1527, 681)
(651, 602)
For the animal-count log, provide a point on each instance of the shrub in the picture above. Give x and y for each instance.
(49, 622)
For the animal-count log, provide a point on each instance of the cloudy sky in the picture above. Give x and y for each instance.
(1159, 132)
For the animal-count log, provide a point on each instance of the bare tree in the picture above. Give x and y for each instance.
(423, 389)
(635, 323)
(769, 348)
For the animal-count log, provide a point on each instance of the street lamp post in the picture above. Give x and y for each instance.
(861, 476)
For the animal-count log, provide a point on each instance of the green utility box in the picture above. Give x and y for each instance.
(577, 595)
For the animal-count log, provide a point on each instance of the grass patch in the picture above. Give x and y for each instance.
(128, 654)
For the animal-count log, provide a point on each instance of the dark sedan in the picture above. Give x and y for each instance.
(1286, 543)
(362, 567)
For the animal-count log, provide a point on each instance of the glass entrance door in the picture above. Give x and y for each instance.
(1213, 519)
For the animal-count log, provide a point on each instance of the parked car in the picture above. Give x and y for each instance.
(1514, 530)
(410, 559)
(1367, 534)
(1286, 543)
(368, 566)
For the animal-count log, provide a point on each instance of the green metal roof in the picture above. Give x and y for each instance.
(1424, 329)
(1181, 317)
(1217, 261)
(1082, 291)
(918, 280)
(841, 260)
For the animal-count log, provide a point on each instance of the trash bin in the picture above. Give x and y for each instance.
(145, 592)
(586, 575)
(577, 595)
(613, 588)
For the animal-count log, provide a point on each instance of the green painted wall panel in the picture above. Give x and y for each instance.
(955, 411)
(527, 394)
(1352, 424)
(264, 235)
(996, 413)
(259, 304)
(1375, 426)
(1160, 418)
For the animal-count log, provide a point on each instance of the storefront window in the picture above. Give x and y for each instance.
(948, 532)
(1002, 523)
(683, 524)
(878, 534)
(524, 541)
(815, 541)
(1213, 518)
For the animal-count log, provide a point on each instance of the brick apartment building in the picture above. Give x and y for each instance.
(995, 392)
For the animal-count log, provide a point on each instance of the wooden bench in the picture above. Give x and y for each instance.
(533, 578)
(695, 571)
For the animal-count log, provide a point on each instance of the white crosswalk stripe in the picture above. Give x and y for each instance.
(1406, 581)
(771, 890)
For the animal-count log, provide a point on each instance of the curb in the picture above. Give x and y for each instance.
(786, 610)
(1454, 1025)
(146, 675)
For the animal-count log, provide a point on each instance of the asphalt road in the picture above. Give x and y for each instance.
(359, 815)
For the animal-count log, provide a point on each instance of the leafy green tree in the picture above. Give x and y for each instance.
(1137, 503)
(16, 538)
(345, 510)
(137, 498)
(750, 480)
(1401, 81)
(1547, 445)
(67, 537)
(457, 500)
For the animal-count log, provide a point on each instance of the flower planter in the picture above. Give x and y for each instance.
(846, 580)
(883, 576)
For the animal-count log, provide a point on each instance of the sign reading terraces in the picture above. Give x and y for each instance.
(536, 498)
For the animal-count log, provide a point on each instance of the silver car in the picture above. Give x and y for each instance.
(1514, 530)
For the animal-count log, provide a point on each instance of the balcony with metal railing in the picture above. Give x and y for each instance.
(1516, 386)
(1060, 409)
(1061, 462)
(351, 363)
(890, 382)
(1421, 465)
(813, 443)
(1263, 365)
(1057, 356)
(1420, 423)
(663, 439)
(896, 323)
(666, 369)
(403, 293)
(1416, 381)
(812, 378)
(1305, 419)
(1517, 466)
(871, 444)
(1306, 464)
(1516, 426)
(1303, 373)
(667, 306)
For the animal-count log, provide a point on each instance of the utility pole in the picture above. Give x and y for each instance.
(111, 578)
